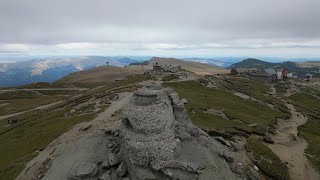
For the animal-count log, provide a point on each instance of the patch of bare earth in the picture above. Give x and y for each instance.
(290, 147)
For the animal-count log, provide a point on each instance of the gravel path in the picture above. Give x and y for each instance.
(290, 147)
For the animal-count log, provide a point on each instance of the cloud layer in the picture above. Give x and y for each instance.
(204, 27)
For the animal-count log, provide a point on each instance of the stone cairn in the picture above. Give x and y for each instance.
(157, 140)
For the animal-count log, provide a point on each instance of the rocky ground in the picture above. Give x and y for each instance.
(39, 165)
(156, 140)
(153, 138)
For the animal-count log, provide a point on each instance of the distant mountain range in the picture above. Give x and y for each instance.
(50, 69)
(299, 69)
(16, 70)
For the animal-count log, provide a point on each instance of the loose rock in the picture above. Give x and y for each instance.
(113, 160)
(184, 101)
(105, 176)
(86, 127)
(106, 164)
(83, 170)
(122, 169)
(267, 139)
(227, 156)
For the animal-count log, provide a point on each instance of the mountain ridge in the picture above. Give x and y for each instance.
(294, 67)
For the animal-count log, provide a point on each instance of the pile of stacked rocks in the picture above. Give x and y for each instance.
(156, 140)
(159, 141)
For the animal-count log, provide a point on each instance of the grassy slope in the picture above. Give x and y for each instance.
(18, 105)
(256, 90)
(309, 106)
(36, 129)
(268, 162)
(243, 112)
(17, 146)
(17, 95)
(170, 77)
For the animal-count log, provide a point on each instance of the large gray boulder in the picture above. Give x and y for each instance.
(159, 137)
(156, 140)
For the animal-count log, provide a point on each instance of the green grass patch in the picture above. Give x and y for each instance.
(37, 85)
(129, 81)
(170, 77)
(17, 95)
(268, 162)
(59, 92)
(18, 105)
(240, 112)
(256, 90)
(306, 103)
(280, 90)
(35, 132)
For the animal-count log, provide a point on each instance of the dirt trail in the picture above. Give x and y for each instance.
(290, 147)
(46, 89)
(102, 120)
(46, 106)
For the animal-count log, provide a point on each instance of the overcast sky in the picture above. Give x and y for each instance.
(285, 28)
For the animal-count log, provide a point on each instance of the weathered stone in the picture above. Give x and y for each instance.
(253, 174)
(83, 170)
(157, 140)
(215, 132)
(113, 159)
(192, 130)
(111, 145)
(182, 134)
(236, 147)
(105, 176)
(116, 151)
(116, 134)
(114, 175)
(222, 141)
(227, 156)
(155, 128)
(122, 169)
(138, 172)
(267, 139)
(108, 131)
(179, 174)
(86, 127)
(184, 101)
(238, 169)
(106, 164)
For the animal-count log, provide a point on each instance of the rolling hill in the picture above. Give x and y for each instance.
(299, 69)
(195, 67)
(99, 75)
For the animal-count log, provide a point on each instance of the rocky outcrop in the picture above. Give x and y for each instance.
(156, 140)
(159, 140)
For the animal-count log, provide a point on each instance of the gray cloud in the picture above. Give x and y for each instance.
(43, 25)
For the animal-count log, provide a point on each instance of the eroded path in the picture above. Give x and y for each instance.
(104, 119)
(290, 147)
(46, 106)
